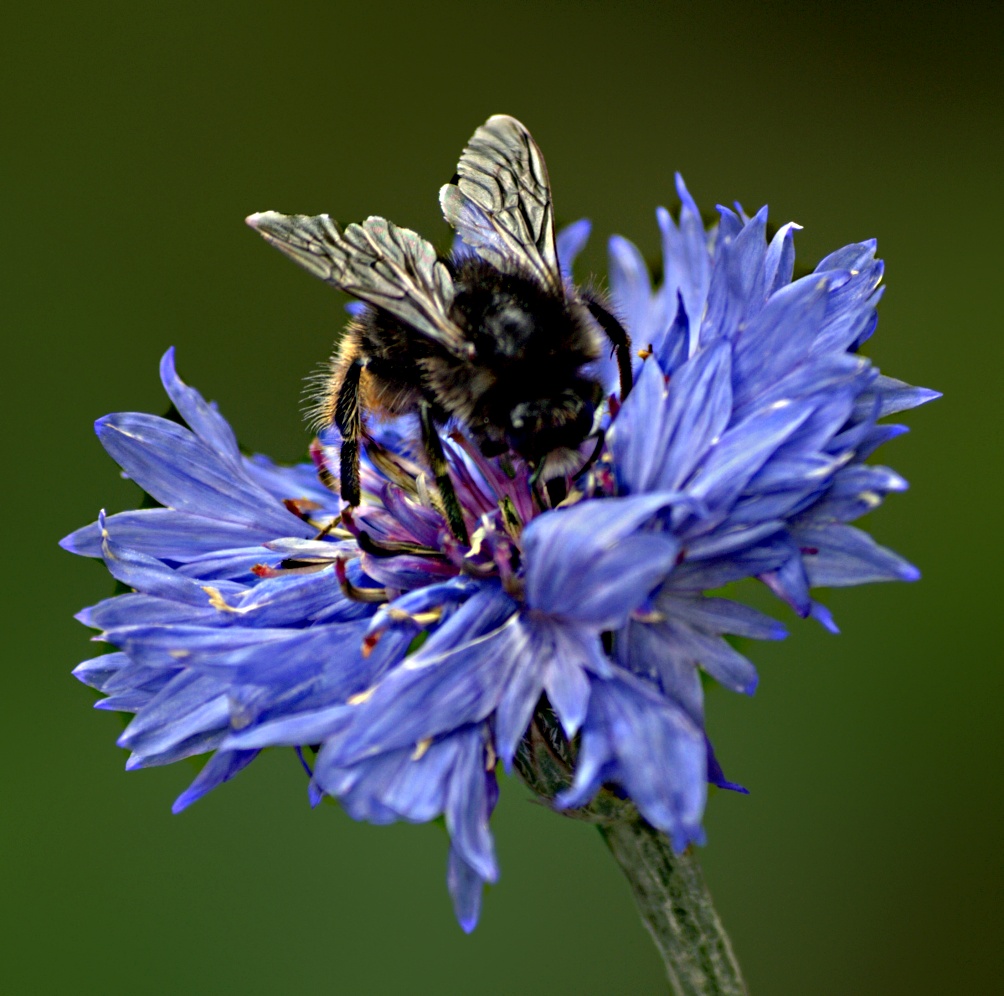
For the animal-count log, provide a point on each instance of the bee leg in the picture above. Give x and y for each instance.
(437, 462)
(601, 438)
(348, 423)
(557, 491)
(619, 339)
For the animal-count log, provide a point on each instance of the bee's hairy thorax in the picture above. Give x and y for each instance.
(523, 389)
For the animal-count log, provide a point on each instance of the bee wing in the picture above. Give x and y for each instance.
(501, 202)
(378, 262)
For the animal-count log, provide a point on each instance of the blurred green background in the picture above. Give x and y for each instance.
(868, 857)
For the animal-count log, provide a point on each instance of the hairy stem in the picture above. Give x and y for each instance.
(676, 907)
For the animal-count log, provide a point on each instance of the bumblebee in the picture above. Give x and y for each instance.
(495, 339)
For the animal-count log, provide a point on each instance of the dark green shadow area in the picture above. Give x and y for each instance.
(867, 858)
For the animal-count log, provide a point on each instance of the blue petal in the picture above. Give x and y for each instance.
(465, 886)
(98, 671)
(866, 438)
(836, 556)
(743, 450)
(191, 704)
(700, 401)
(289, 601)
(182, 472)
(779, 263)
(520, 694)
(850, 313)
(566, 683)
(583, 564)
(131, 700)
(134, 676)
(433, 596)
(167, 534)
(405, 571)
(198, 743)
(817, 376)
(686, 262)
(570, 241)
(448, 776)
(220, 768)
(717, 777)
(436, 691)
(829, 413)
(855, 256)
(299, 481)
(704, 575)
(789, 581)
(778, 338)
(854, 491)
(152, 577)
(246, 655)
(631, 289)
(202, 417)
(672, 348)
(894, 396)
(146, 610)
(548, 657)
(637, 438)
(227, 565)
(721, 615)
(468, 808)
(304, 727)
(737, 288)
(645, 650)
(662, 433)
(793, 470)
(728, 538)
(644, 742)
(712, 654)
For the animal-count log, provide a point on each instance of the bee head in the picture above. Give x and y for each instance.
(537, 427)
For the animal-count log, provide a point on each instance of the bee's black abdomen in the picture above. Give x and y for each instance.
(531, 344)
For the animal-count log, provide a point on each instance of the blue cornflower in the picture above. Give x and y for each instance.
(264, 614)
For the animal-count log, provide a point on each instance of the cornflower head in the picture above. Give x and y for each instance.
(566, 637)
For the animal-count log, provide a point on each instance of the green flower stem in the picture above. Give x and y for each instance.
(673, 900)
(676, 907)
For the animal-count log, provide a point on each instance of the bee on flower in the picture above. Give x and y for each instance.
(515, 519)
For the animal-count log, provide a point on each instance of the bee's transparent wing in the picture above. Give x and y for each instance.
(500, 204)
(377, 262)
